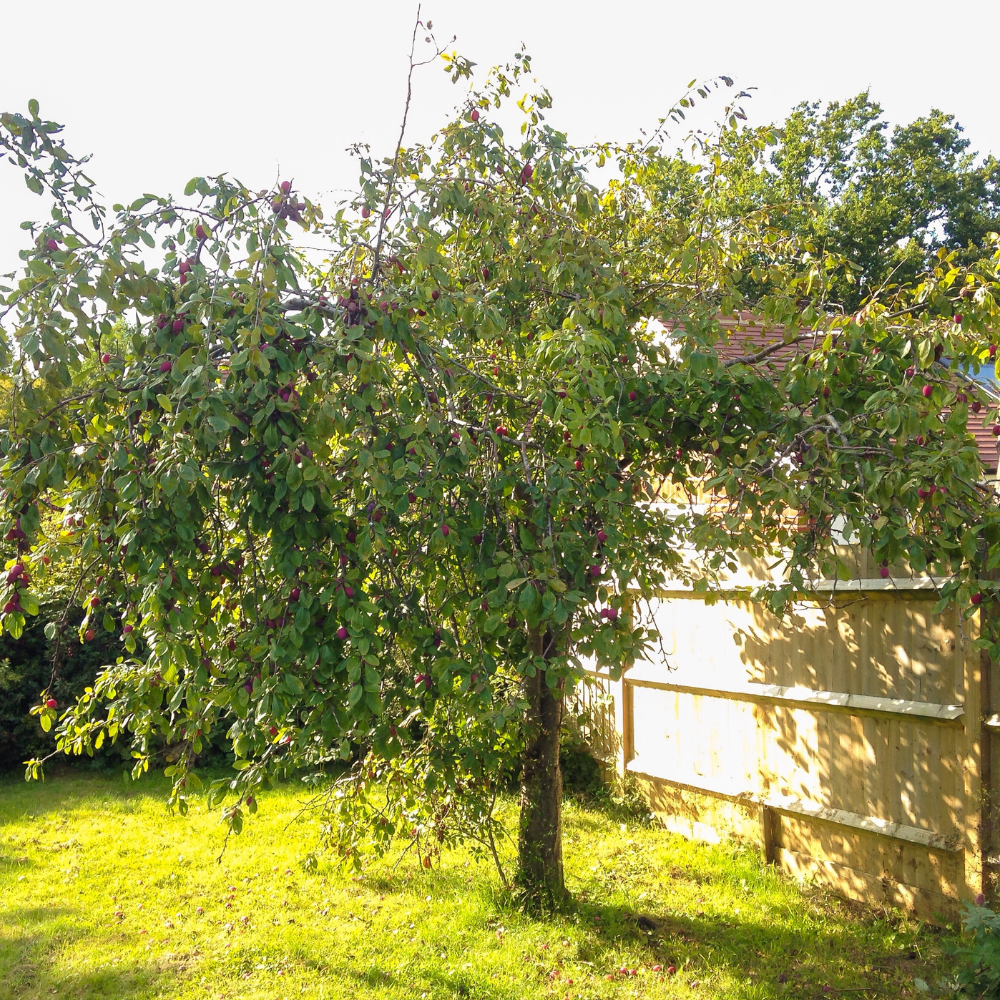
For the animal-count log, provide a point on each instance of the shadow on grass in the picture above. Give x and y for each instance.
(35, 934)
(814, 945)
(40, 800)
(15, 863)
(766, 958)
(740, 958)
(35, 915)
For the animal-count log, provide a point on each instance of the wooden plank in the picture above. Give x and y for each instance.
(986, 787)
(933, 906)
(870, 585)
(698, 815)
(723, 788)
(878, 585)
(734, 791)
(867, 824)
(883, 857)
(855, 704)
(976, 676)
(921, 860)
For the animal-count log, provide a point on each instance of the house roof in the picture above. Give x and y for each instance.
(748, 335)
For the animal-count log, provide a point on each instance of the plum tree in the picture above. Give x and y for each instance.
(378, 508)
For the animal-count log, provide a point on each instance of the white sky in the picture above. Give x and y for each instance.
(160, 91)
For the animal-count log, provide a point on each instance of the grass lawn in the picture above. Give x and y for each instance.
(104, 894)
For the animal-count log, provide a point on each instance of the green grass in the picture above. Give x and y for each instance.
(104, 894)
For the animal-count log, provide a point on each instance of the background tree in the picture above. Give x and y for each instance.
(378, 509)
(884, 200)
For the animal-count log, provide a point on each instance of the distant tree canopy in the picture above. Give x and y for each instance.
(886, 200)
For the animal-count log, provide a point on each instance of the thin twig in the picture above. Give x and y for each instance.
(399, 146)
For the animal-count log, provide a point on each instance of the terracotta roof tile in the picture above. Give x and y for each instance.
(748, 335)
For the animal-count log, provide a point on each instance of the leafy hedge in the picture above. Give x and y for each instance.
(25, 670)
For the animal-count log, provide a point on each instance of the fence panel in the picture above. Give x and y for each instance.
(845, 738)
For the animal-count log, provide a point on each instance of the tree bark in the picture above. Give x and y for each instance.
(540, 864)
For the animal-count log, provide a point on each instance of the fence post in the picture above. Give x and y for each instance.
(987, 625)
(976, 767)
(620, 693)
(768, 833)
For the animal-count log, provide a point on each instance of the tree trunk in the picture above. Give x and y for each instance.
(540, 866)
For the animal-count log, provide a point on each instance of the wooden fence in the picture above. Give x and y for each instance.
(851, 741)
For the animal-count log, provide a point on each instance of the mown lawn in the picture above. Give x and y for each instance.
(104, 894)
